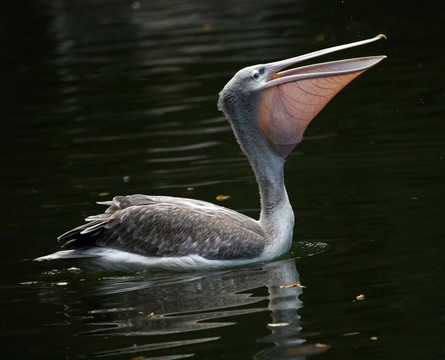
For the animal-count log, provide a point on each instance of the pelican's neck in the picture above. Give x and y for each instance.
(269, 173)
(276, 217)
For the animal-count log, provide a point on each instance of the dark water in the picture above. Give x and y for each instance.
(100, 98)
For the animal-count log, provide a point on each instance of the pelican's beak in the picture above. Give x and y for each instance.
(290, 99)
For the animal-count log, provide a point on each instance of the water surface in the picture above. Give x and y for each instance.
(106, 98)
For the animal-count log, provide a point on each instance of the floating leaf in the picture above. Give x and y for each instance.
(222, 197)
(297, 284)
(352, 333)
(278, 324)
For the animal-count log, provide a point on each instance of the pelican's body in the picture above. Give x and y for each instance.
(184, 234)
(269, 109)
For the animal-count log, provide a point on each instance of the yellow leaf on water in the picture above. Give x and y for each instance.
(360, 297)
(222, 197)
(207, 27)
(297, 284)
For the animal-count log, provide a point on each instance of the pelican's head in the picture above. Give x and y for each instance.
(281, 103)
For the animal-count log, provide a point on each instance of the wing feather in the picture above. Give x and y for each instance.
(166, 226)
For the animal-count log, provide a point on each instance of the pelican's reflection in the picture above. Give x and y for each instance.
(187, 303)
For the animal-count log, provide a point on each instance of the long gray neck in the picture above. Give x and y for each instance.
(269, 173)
(276, 217)
(241, 107)
(266, 164)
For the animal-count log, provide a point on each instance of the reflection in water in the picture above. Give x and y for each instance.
(184, 304)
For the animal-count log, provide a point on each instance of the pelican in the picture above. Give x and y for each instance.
(269, 107)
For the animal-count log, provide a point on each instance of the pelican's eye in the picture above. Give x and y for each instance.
(257, 75)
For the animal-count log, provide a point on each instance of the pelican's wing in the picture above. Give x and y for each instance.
(166, 226)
